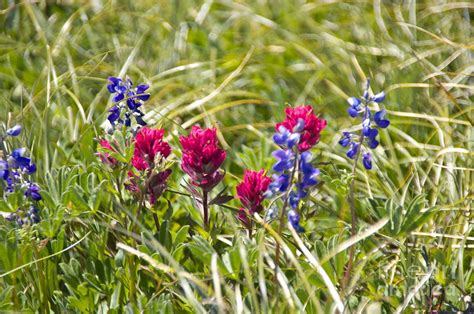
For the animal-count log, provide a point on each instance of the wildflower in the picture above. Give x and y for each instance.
(296, 135)
(150, 148)
(32, 191)
(369, 133)
(19, 161)
(106, 157)
(311, 129)
(202, 157)
(367, 161)
(294, 219)
(21, 218)
(250, 191)
(14, 131)
(128, 100)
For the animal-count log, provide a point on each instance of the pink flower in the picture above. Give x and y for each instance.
(148, 145)
(250, 190)
(312, 125)
(105, 157)
(202, 157)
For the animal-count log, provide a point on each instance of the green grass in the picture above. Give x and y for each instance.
(235, 65)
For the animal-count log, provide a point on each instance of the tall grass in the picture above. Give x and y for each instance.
(235, 65)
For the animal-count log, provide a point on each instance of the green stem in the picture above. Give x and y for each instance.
(282, 217)
(205, 208)
(352, 206)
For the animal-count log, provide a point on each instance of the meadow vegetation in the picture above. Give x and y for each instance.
(235, 66)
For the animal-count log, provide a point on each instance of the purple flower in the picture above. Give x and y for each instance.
(378, 98)
(371, 137)
(4, 173)
(379, 119)
(285, 160)
(367, 161)
(32, 191)
(14, 131)
(354, 106)
(352, 151)
(294, 219)
(285, 138)
(123, 111)
(346, 139)
(369, 124)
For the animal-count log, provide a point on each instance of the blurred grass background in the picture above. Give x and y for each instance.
(235, 65)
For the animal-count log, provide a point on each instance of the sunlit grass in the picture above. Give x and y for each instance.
(235, 65)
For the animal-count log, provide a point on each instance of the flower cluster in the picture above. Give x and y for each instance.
(15, 173)
(128, 100)
(21, 217)
(150, 149)
(295, 135)
(369, 133)
(251, 194)
(202, 157)
(149, 155)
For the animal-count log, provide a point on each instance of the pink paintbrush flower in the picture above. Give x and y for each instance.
(202, 157)
(311, 129)
(149, 146)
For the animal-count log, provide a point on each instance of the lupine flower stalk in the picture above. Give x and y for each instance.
(15, 172)
(294, 173)
(360, 143)
(201, 160)
(127, 102)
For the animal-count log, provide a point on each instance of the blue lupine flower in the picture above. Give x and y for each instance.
(309, 172)
(294, 199)
(280, 183)
(134, 98)
(14, 131)
(114, 114)
(292, 164)
(371, 136)
(294, 219)
(17, 160)
(378, 98)
(367, 161)
(32, 191)
(379, 119)
(285, 138)
(353, 150)
(346, 139)
(141, 92)
(299, 127)
(285, 160)
(355, 106)
(4, 172)
(21, 218)
(369, 125)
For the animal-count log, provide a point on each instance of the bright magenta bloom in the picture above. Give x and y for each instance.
(148, 145)
(312, 125)
(250, 191)
(105, 157)
(202, 157)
